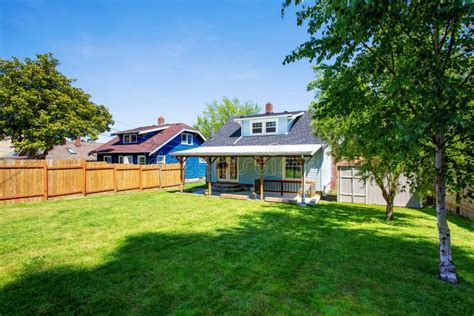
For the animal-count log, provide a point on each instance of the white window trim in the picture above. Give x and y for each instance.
(129, 136)
(122, 156)
(144, 158)
(264, 127)
(164, 159)
(108, 157)
(187, 139)
(283, 170)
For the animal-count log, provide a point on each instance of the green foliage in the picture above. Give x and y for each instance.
(179, 254)
(218, 113)
(39, 106)
(419, 53)
(353, 114)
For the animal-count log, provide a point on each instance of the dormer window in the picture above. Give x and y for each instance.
(264, 127)
(257, 128)
(270, 127)
(129, 138)
(187, 139)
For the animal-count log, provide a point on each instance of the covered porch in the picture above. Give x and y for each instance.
(270, 173)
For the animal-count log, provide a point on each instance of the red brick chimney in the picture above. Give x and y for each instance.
(161, 120)
(268, 108)
(77, 142)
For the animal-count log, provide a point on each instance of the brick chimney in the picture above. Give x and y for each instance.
(161, 120)
(77, 142)
(268, 108)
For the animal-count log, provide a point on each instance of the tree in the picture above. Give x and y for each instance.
(39, 107)
(217, 114)
(425, 50)
(350, 115)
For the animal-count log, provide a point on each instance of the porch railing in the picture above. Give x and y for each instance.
(285, 186)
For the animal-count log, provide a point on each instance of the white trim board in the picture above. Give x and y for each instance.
(268, 150)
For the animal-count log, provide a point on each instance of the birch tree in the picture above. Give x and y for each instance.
(425, 49)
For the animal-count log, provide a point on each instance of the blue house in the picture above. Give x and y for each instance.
(273, 154)
(153, 145)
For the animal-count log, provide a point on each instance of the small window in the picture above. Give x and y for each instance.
(257, 128)
(108, 159)
(141, 159)
(292, 168)
(125, 159)
(71, 151)
(270, 127)
(129, 138)
(161, 159)
(187, 139)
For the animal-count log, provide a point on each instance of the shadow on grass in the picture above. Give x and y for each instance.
(294, 261)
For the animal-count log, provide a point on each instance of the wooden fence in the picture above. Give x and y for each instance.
(30, 180)
(464, 207)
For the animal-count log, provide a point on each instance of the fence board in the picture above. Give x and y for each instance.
(30, 180)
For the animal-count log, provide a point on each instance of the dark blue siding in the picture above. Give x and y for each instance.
(194, 169)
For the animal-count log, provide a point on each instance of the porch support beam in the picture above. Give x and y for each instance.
(181, 161)
(261, 162)
(209, 160)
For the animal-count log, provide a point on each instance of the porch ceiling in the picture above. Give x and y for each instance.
(250, 151)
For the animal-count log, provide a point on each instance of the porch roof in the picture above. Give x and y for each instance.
(249, 151)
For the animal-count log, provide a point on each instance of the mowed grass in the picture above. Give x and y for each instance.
(170, 253)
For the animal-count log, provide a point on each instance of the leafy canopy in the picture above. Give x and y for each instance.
(39, 106)
(418, 55)
(218, 113)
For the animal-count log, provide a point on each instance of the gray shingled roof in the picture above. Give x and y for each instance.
(299, 134)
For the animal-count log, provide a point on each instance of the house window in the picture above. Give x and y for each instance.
(257, 128)
(125, 159)
(292, 168)
(141, 159)
(108, 159)
(161, 159)
(270, 127)
(129, 138)
(187, 139)
(71, 151)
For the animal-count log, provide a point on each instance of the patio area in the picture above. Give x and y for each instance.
(274, 197)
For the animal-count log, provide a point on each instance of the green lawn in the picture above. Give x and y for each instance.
(162, 252)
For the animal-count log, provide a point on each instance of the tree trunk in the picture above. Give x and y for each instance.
(458, 202)
(389, 209)
(447, 271)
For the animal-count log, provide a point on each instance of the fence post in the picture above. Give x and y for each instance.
(115, 178)
(161, 176)
(140, 171)
(45, 180)
(84, 177)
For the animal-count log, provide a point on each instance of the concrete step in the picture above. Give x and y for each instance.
(226, 187)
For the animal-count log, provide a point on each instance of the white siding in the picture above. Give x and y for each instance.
(350, 188)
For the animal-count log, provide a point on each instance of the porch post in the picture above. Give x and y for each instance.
(181, 167)
(261, 162)
(209, 161)
(303, 178)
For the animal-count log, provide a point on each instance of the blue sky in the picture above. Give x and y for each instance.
(143, 59)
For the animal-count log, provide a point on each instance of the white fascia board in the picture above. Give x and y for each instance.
(267, 150)
(171, 138)
(153, 130)
(260, 118)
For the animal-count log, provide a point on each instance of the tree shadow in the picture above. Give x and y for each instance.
(296, 261)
